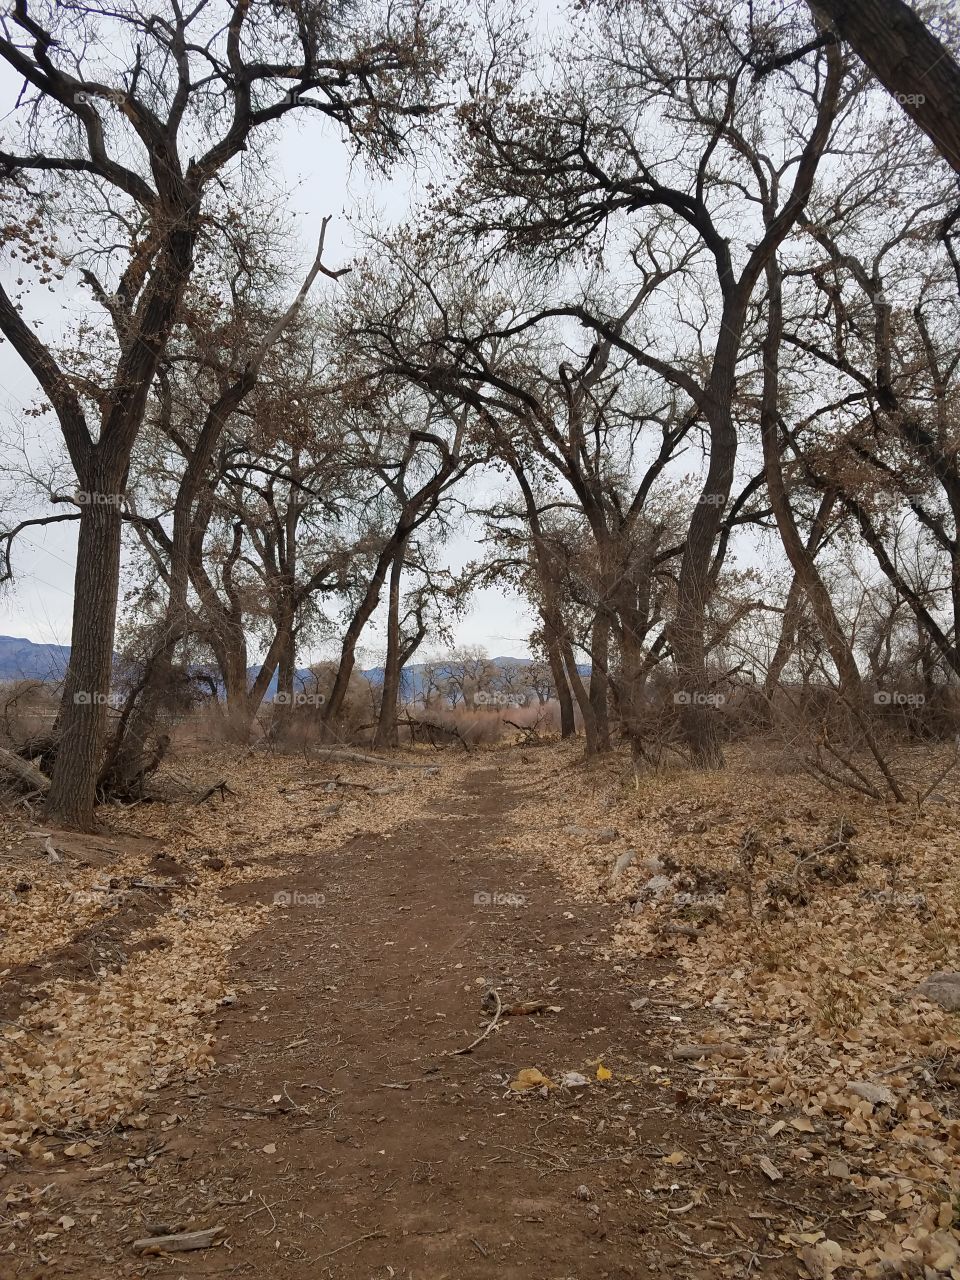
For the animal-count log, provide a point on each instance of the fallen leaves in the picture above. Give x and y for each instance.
(530, 1078)
(811, 1017)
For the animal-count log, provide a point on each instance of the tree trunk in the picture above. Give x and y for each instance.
(697, 717)
(582, 696)
(792, 606)
(600, 678)
(908, 60)
(81, 720)
(799, 555)
(568, 724)
(348, 648)
(386, 732)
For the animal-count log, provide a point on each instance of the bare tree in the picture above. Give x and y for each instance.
(144, 152)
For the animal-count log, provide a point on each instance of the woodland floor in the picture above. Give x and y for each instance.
(198, 1056)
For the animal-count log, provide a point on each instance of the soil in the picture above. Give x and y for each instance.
(342, 1135)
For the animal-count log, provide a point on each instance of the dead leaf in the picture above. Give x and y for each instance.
(822, 1259)
(530, 1078)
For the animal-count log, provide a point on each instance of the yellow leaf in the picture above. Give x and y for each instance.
(604, 1073)
(675, 1157)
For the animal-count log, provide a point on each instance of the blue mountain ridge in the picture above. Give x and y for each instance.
(22, 659)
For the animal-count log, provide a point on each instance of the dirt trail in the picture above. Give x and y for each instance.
(339, 1136)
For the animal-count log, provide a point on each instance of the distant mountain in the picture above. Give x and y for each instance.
(23, 660)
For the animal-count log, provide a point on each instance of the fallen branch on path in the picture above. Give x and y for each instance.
(371, 1235)
(358, 757)
(220, 786)
(710, 1051)
(514, 1010)
(182, 1242)
(487, 1029)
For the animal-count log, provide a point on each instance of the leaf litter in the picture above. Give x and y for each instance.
(799, 925)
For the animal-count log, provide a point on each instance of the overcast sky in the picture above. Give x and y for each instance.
(315, 166)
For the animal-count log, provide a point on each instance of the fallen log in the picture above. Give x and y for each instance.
(23, 771)
(710, 1051)
(358, 757)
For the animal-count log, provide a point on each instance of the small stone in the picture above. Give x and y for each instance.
(621, 864)
(878, 1094)
(656, 886)
(574, 1080)
(942, 988)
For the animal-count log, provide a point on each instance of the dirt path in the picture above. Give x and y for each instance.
(339, 1136)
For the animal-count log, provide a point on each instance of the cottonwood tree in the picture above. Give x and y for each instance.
(202, 384)
(410, 619)
(643, 138)
(417, 451)
(130, 149)
(871, 323)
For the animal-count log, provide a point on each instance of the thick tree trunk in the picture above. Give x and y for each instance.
(287, 662)
(908, 60)
(386, 732)
(239, 716)
(697, 717)
(81, 721)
